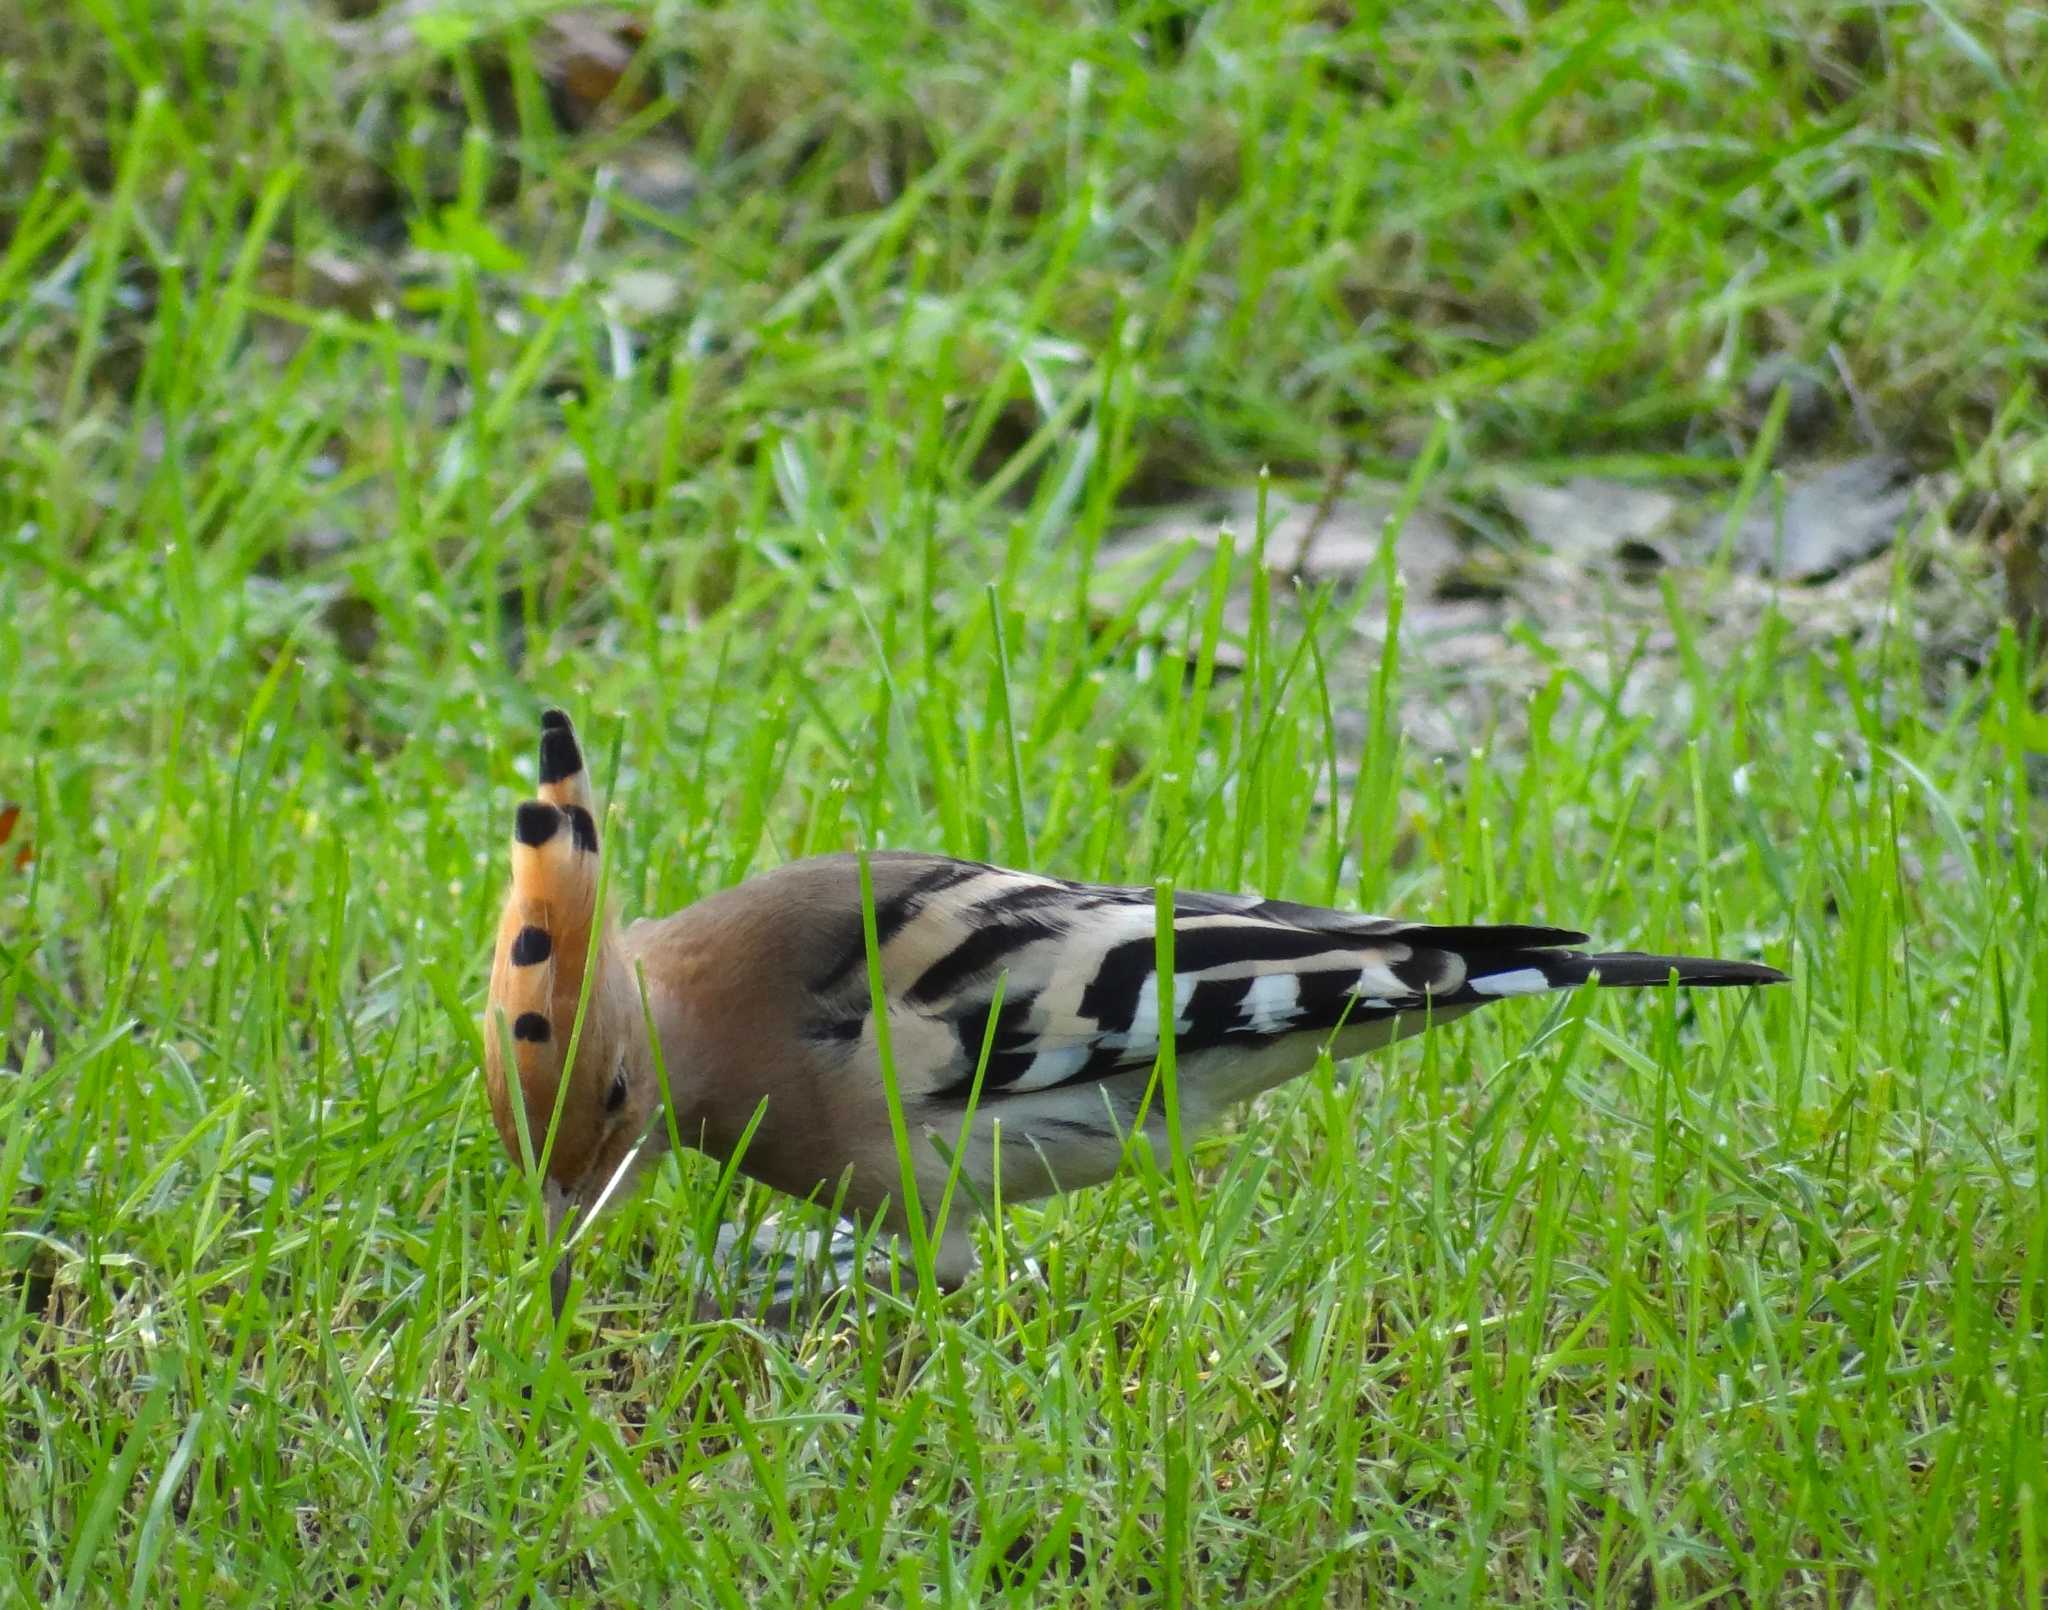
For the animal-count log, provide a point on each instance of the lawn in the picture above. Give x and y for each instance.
(773, 386)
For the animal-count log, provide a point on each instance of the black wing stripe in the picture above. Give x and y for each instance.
(908, 902)
(1010, 1052)
(1025, 896)
(1477, 937)
(891, 914)
(1216, 1014)
(982, 951)
(1197, 950)
(1427, 971)
(1215, 1010)
(1112, 994)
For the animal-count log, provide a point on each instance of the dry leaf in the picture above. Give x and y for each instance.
(10, 818)
(585, 54)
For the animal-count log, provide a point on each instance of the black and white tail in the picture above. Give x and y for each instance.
(1522, 970)
(1082, 1000)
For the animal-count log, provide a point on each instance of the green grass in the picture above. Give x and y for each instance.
(355, 400)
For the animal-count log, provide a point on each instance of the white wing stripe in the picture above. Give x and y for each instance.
(1522, 981)
(1375, 978)
(1049, 1068)
(1144, 1029)
(1271, 1002)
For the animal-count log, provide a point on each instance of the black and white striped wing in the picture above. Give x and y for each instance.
(1081, 999)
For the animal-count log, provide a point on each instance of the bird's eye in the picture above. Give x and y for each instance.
(615, 1098)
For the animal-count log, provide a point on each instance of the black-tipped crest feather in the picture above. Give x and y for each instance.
(559, 756)
(535, 822)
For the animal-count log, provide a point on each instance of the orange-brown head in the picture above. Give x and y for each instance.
(577, 1062)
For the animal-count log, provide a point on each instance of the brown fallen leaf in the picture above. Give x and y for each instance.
(10, 818)
(586, 55)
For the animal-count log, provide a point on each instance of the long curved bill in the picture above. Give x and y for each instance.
(561, 1208)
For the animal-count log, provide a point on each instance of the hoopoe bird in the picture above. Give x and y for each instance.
(1027, 1009)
